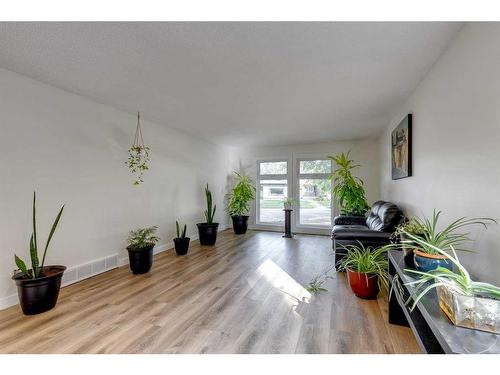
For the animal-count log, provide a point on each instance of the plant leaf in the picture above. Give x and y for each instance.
(20, 265)
(34, 258)
(52, 230)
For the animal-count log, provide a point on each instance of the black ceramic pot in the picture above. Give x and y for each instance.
(240, 224)
(207, 233)
(39, 295)
(181, 245)
(140, 259)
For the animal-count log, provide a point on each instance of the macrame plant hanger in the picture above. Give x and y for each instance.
(138, 154)
(138, 140)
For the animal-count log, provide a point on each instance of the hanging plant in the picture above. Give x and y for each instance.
(138, 155)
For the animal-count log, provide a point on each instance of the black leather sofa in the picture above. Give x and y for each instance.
(372, 231)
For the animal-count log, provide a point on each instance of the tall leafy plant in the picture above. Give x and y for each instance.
(348, 190)
(210, 211)
(36, 266)
(242, 193)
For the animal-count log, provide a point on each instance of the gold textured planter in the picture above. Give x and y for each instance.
(471, 312)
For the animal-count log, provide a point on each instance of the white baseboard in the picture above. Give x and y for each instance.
(85, 270)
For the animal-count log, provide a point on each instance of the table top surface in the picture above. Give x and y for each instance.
(452, 338)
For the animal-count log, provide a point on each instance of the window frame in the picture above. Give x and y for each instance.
(258, 180)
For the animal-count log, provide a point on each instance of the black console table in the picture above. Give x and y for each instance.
(434, 332)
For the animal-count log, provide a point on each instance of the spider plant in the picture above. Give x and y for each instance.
(446, 238)
(369, 261)
(459, 281)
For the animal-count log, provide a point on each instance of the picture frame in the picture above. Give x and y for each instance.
(401, 149)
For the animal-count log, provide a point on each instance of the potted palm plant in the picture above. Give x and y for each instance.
(38, 287)
(207, 231)
(348, 190)
(426, 258)
(242, 193)
(467, 303)
(141, 243)
(181, 242)
(367, 269)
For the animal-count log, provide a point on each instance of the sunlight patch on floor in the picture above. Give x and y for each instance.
(281, 280)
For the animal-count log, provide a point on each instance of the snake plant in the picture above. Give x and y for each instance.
(178, 229)
(36, 266)
(210, 211)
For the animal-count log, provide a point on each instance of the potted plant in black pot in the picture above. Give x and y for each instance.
(181, 243)
(237, 206)
(141, 243)
(38, 287)
(207, 231)
(348, 190)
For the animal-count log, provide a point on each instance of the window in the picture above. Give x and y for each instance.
(272, 187)
(315, 193)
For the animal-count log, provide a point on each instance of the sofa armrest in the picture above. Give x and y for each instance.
(349, 220)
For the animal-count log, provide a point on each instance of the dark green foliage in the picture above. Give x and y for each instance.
(142, 238)
(242, 193)
(179, 234)
(20, 265)
(210, 211)
(36, 267)
(348, 190)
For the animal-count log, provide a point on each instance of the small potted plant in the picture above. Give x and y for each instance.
(288, 203)
(415, 227)
(141, 243)
(242, 193)
(181, 243)
(367, 269)
(207, 231)
(348, 190)
(426, 258)
(38, 287)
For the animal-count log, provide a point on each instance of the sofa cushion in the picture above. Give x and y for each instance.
(384, 216)
(355, 232)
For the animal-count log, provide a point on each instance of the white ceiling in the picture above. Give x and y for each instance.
(236, 83)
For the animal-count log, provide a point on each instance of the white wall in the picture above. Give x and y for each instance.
(364, 152)
(72, 150)
(456, 142)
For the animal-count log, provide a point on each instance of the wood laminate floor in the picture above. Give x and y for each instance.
(244, 295)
